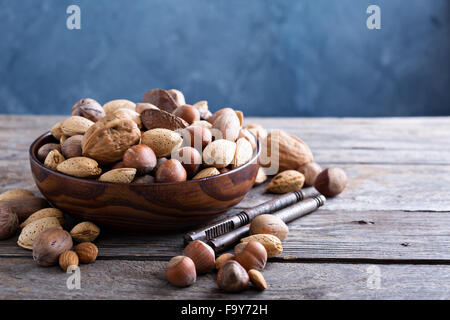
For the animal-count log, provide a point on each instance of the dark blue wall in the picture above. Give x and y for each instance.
(266, 57)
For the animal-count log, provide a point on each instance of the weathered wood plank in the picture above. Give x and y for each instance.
(22, 278)
(330, 235)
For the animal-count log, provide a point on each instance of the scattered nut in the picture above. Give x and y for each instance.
(232, 277)
(31, 231)
(85, 232)
(49, 245)
(180, 271)
(286, 181)
(269, 224)
(44, 213)
(9, 223)
(270, 242)
(87, 252)
(252, 256)
(257, 279)
(331, 182)
(68, 258)
(310, 170)
(222, 259)
(202, 255)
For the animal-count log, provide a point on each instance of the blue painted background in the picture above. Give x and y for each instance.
(266, 57)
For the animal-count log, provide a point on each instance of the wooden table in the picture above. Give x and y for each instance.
(392, 223)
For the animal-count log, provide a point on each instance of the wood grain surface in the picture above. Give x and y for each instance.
(395, 214)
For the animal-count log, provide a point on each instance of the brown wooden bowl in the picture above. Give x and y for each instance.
(156, 207)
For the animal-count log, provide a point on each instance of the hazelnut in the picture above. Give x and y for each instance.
(202, 255)
(140, 157)
(49, 244)
(252, 256)
(9, 223)
(196, 137)
(72, 147)
(45, 149)
(232, 277)
(269, 224)
(190, 158)
(331, 182)
(144, 179)
(159, 162)
(310, 170)
(171, 171)
(87, 252)
(222, 259)
(180, 271)
(89, 109)
(188, 113)
(68, 258)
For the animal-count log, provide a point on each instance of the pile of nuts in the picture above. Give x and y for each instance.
(42, 231)
(235, 271)
(161, 139)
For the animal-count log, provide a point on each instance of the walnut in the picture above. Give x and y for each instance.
(108, 139)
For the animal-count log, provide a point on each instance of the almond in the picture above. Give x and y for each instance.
(257, 279)
(111, 106)
(289, 151)
(75, 125)
(121, 175)
(87, 252)
(286, 181)
(243, 154)
(68, 258)
(240, 116)
(15, 194)
(261, 177)
(219, 153)
(208, 172)
(44, 213)
(162, 141)
(56, 130)
(81, 167)
(270, 242)
(53, 158)
(85, 232)
(32, 230)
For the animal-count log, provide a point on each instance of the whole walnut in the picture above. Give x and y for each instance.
(9, 222)
(107, 140)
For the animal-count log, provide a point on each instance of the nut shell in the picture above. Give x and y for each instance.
(45, 149)
(85, 232)
(13, 194)
(160, 98)
(81, 167)
(114, 105)
(68, 258)
(196, 137)
(72, 147)
(87, 252)
(190, 158)
(31, 231)
(162, 141)
(228, 124)
(286, 181)
(202, 255)
(121, 175)
(310, 170)
(188, 113)
(257, 279)
(261, 177)
(243, 154)
(269, 224)
(180, 271)
(26, 206)
(140, 157)
(155, 118)
(270, 242)
(208, 172)
(89, 109)
(44, 213)
(76, 125)
(331, 182)
(9, 223)
(252, 256)
(56, 131)
(219, 153)
(141, 106)
(53, 159)
(232, 277)
(49, 245)
(109, 138)
(178, 96)
(222, 259)
(171, 171)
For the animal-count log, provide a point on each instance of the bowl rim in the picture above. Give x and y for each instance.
(96, 182)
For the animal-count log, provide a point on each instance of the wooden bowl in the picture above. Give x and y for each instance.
(156, 207)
